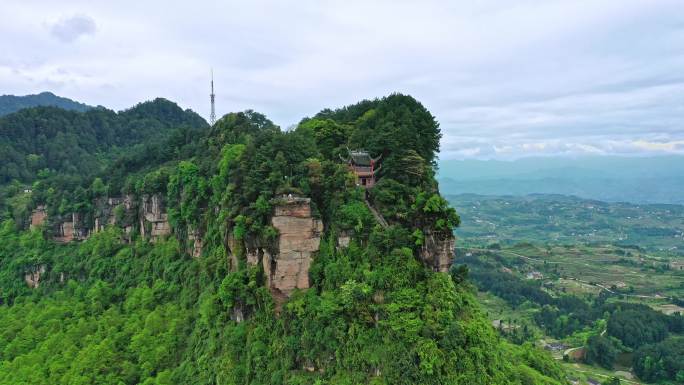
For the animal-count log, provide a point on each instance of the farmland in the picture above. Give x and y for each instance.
(551, 270)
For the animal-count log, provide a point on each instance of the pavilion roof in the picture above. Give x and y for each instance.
(361, 158)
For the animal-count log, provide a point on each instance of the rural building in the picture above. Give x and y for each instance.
(534, 275)
(364, 167)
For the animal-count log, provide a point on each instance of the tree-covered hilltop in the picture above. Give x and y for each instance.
(35, 142)
(12, 103)
(130, 304)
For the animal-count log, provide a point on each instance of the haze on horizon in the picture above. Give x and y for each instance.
(506, 79)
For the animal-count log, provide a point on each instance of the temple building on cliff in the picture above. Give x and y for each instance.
(364, 167)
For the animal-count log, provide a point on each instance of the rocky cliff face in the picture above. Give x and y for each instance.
(195, 242)
(299, 237)
(38, 216)
(286, 264)
(343, 239)
(71, 230)
(154, 220)
(105, 211)
(32, 278)
(437, 251)
(148, 214)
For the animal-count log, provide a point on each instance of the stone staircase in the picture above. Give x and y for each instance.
(376, 214)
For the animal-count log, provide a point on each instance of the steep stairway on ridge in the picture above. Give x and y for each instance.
(376, 214)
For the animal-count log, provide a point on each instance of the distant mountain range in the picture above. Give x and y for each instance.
(12, 103)
(606, 178)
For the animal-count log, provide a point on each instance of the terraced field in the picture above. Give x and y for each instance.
(570, 220)
(588, 269)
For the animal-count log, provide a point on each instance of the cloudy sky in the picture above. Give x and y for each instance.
(506, 79)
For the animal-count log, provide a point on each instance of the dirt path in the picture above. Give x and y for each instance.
(606, 376)
(570, 350)
(567, 352)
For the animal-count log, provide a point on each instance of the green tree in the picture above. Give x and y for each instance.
(600, 350)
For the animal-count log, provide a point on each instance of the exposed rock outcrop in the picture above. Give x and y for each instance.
(237, 313)
(299, 238)
(124, 212)
(146, 214)
(437, 251)
(256, 255)
(153, 213)
(32, 278)
(65, 232)
(66, 229)
(38, 216)
(195, 242)
(343, 239)
(106, 211)
(233, 248)
(71, 230)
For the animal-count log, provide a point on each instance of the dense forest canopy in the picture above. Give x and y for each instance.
(41, 140)
(118, 309)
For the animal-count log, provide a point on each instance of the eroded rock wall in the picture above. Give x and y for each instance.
(148, 213)
(343, 239)
(105, 213)
(438, 251)
(32, 278)
(153, 212)
(299, 238)
(38, 216)
(195, 242)
(71, 230)
(65, 232)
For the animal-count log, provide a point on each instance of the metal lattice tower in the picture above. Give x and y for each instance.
(212, 116)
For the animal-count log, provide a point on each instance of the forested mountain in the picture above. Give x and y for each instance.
(244, 254)
(44, 140)
(12, 103)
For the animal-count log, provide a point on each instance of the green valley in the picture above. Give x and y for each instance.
(572, 275)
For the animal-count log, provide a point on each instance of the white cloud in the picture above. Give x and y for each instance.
(504, 78)
(673, 146)
(68, 29)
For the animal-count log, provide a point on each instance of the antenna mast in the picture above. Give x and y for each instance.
(212, 116)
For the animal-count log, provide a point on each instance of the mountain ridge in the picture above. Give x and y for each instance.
(243, 253)
(14, 103)
(45, 138)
